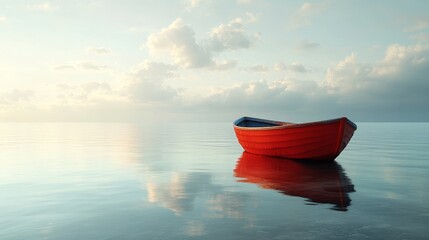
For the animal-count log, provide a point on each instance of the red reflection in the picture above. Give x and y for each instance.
(319, 183)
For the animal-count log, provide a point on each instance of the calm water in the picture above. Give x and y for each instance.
(192, 181)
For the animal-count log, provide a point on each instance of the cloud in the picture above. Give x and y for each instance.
(99, 50)
(394, 87)
(223, 65)
(85, 65)
(43, 7)
(305, 45)
(406, 61)
(232, 36)
(147, 83)
(293, 67)
(84, 94)
(303, 16)
(178, 40)
(419, 25)
(259, 68)
(192, 4)
(15, 96)
(346, 75)
(398, 81)
(261, 94)
(2, 19)
(421, 37)
(297, 67)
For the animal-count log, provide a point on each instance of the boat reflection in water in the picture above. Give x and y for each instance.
(319, 183)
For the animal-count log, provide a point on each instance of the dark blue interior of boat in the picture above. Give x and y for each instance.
(253, 123)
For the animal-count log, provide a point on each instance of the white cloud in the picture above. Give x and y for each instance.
(43, 7)
(2, 19)
(251, 18)
(223, 65)
(297, 67)
(15, 96)
(293, 67)
(87, 65)
(192, 4)
(398, 81)
(259, 68)
(232, 36)
(347, 75)
(397, 57)
(99, 50)
(254, 94)
(147, 83)
(84, 94)
(280, 67)
(178, 40)
(350, 88)
(84, 65)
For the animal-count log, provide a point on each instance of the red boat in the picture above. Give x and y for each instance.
(318, 183)
(320, 141)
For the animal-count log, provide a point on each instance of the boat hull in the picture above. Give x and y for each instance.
(320, 141)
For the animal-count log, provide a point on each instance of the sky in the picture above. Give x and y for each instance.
(213, 60)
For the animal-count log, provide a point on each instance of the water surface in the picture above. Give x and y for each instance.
(193, 181)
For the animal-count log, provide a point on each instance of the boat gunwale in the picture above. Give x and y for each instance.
(286, 125)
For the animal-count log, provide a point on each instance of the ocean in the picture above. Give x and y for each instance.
(193, 181)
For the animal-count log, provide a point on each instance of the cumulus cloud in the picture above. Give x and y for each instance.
(232, 36)
(399, 57)
(147, 83)
(178, 42)
(261, 94)
(351, 88)
(346, 75)
(399, 60)
(398, 81)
